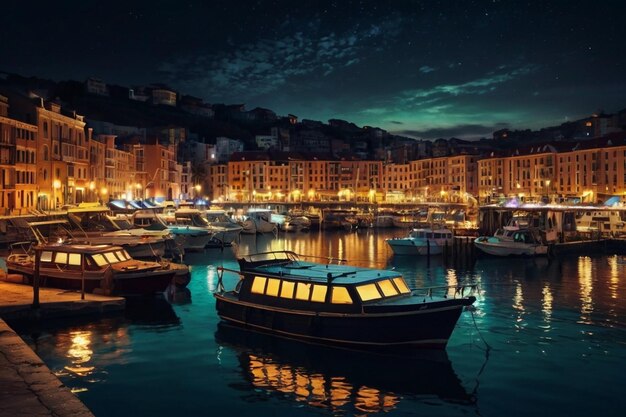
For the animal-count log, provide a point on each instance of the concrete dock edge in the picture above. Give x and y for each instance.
(28, 386)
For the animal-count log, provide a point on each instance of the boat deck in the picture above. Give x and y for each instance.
(316, 272)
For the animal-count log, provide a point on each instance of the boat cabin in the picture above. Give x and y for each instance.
(71, 257)
(280, 279)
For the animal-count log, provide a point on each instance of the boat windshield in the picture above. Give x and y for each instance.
(112, 257)
(382, 289)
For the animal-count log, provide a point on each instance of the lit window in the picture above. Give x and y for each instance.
(74, 259)
(46, 256)
(272, 287)
(387, 288)
(258, 286)
(404, 289)
(319, 293)
(368, 292)
(61, 257)
(303, 291)
(99, 259)
(110, 257)
(287, 289)
(340, 295)
(122, 255)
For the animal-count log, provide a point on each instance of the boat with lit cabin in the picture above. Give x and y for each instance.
(337, 304)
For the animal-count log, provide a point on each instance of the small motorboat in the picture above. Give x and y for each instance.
(280, 293)
(104, 269)
(422, 242)
(513, 241)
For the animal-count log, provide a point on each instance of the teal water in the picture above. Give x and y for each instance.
(548, 337)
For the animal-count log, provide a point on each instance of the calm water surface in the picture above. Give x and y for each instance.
(547, 338)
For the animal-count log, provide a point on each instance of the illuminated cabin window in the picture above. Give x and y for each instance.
(258, 285)
(46, 256)
(401, 285)
(99, 259)
(273, 285)
(303, 291)
(123, 255)
(340, 295)
(387, 288)
(287, 289)
(110, 257)
(368, 292)
(74, 259)
(61, 258)
(319, 293)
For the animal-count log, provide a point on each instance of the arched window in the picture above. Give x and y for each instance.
(45, 152)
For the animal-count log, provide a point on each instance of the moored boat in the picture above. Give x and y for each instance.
(422, 242)
(104, 269)
(336, 304)
(513, 241)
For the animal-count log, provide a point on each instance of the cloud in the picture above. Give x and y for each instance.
(463, 131)
(264, 66)
(425, 69)
(478, 86)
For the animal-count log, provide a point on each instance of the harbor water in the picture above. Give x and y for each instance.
(546, 337)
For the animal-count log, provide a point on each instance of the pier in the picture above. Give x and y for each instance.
(29, 388)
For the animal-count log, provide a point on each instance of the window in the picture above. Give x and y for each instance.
(404, 289)
(258, 286)
(74, 259)
(368, 292)
(340, 295)
(60, 258)
(99, 259)
(46, 256)
(303, 291)
(387, 288)
(273, 285)
(286, 290)
(110, 257)
(319, 293)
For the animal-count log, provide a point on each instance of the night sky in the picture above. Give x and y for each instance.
(426, 69)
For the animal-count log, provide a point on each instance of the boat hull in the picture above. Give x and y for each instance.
(426, 325)
(414, 247)
(499, 248)
(126, 283)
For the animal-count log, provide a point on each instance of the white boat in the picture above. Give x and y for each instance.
(230, 231)
(262, 219)
(424, 241)
(296, 224)
(511, 240)
(192, 238)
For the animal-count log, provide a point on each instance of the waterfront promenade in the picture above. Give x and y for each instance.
(28, 387)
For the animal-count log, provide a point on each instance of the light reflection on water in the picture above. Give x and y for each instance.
(555, 328)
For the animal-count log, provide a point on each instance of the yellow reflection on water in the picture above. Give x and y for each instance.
(518, 298)
(316, 389)
(79, 353)
(585, 279)
(616, 264)
(546, 305)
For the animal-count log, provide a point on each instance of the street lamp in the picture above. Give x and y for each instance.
(198, 188)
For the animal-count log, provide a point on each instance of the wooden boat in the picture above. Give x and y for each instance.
(511, 240)
(104, 269)
(422, 242)
(336, 304)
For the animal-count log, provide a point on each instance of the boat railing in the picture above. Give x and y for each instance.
(460, 290)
